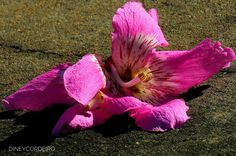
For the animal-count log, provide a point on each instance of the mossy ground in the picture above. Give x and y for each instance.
(37, 35)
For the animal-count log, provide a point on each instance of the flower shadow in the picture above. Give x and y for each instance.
(116, 125)
(194, 92)
(37, 130)
(39, 125)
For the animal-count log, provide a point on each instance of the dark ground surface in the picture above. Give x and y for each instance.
(37, 35)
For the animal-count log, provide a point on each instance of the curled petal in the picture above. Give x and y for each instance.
(89, 119)
(43, 91)
(82, 121)
(136, 33)
(161, 118)
(66, 118)
(84, 79)
(77, 118)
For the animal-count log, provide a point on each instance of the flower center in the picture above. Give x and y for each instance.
(95, 102)
(142, 75)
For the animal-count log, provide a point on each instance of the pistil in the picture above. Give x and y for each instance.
(142, 75)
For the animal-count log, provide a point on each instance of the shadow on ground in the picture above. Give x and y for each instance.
(194, 92)
(38, 125)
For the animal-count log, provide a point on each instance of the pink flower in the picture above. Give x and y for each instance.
(148, 82)
(136, 79)
(77, 85)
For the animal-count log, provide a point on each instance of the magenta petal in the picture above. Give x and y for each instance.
(108, 108)
(84, 79)
(135, 34)
(177, 71)
(132, 19)
(66, 118)
(89, 119)
(154, 14)
(122, 104)
(41, 92)
(82, 121)
(161, 118)
(77, 118)
(100, 116)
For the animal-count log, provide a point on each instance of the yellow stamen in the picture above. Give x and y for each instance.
(144, 74)
(96, 101)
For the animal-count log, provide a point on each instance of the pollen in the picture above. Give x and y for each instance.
(144, 74)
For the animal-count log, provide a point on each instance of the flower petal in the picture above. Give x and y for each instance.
(89, 119)
(190, 68)
(161, 39)
(161, 118)
(153, 13)
(84, 79)
(100, 116)
(121, 104)
(82, 121)
(135, 34)
(174, 72)
(41, 92)
(66, 118)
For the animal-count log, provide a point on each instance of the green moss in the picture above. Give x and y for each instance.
(37, 35)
